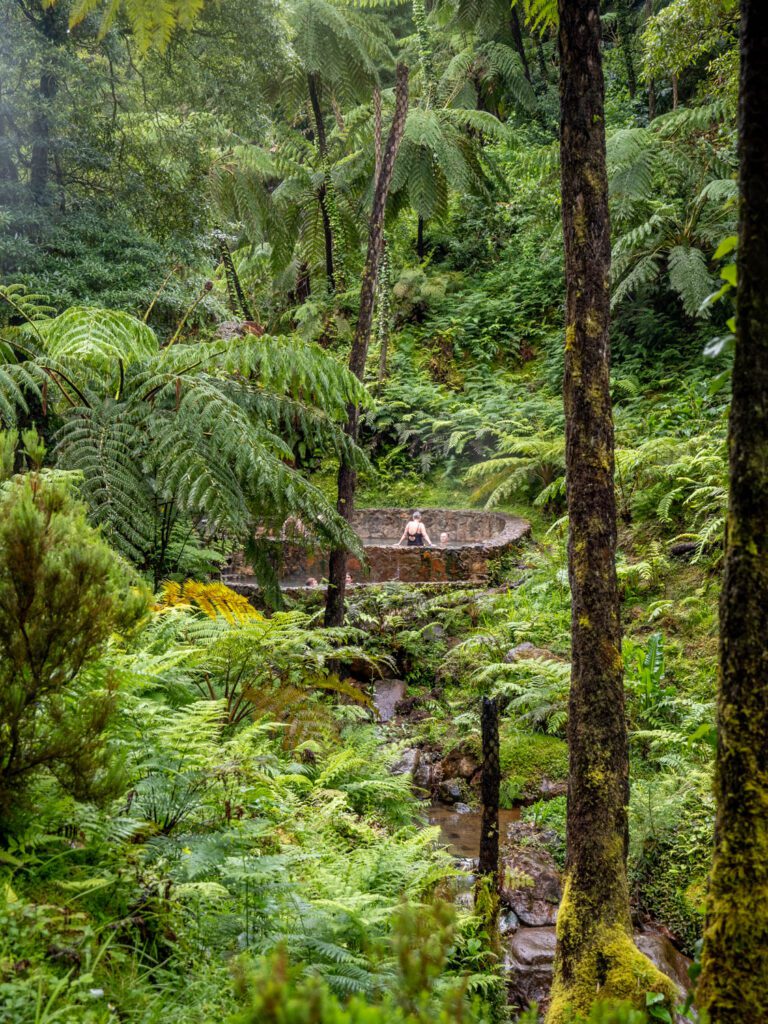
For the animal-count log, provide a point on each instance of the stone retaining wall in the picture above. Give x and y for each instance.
(474, 539)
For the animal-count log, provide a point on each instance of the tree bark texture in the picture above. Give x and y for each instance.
(596, 958)
(347, 477)
(420, 245)
(52, 28)
(625, 39)
(648, 12)
(322, 193)
(734, 980)
(489, 834)
(517, 39)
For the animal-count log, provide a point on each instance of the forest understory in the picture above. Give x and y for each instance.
(265, 262)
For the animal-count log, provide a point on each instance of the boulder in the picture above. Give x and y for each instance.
(529, 965)
(407, 763)
(509, 922)
(525, 833)
(528, 650)
(549, 788)
(534, 897)
(660, 951)
(459, 764)
(449, 791)
(387, 693)
(530, 954)
(424, 776)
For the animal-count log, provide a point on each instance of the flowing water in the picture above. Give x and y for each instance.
(460, 833)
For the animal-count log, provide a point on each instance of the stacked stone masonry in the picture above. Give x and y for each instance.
(474, 540)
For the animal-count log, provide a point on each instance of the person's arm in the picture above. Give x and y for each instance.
(425, 535)
(405, 531)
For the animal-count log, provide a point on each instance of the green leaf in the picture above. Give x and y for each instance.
(728, 273)
(727, 245)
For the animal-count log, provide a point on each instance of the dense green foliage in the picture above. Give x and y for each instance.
(200, 820)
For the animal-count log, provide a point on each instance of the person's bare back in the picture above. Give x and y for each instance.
(415, 533)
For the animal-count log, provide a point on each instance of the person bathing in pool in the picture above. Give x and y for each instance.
(415, 533)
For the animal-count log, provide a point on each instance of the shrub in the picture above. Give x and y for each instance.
(62, 592)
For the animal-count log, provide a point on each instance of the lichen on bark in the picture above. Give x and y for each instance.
(733, 988)
(596, 959)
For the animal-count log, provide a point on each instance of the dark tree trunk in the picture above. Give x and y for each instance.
(489, 834)
(542, 61)
(625, 40)
(734, 979)
(517, 39)
(50, 26)
(322, 193)
(648, 11)
(347, 478)
(8, 170)
(420, 250)
(596, 958)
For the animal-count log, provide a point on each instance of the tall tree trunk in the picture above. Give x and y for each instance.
(8, 170)
(625, 39)
(542, 61)
(420, 250)
(347, 478)
(322, 193)
(596, 958)
(517, 39)
(50, 27)
(648, 12)
(734, 980)
(489, 833)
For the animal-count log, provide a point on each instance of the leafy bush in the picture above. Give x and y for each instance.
(62, 592)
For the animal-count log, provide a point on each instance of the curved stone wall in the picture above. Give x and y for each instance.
(474, 538)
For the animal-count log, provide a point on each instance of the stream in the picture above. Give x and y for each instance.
(460, 830)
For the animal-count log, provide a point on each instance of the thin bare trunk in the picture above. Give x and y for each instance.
(347, 478)
(517, 39)
(322, 193)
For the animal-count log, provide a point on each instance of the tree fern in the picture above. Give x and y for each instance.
(197, 433)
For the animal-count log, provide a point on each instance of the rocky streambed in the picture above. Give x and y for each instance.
(531, 878)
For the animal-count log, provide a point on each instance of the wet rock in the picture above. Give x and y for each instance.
(509, 922)
(535, 903)
(459, 764)
(549, 788)
(529, 964)
(424, 777)
(528, 650)
(449, 791)
(530, 954)
(660, 951)
(387, 693)
(525, 833)
(462, 808)
(407, 763)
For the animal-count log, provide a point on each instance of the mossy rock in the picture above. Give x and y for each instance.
(529, 758)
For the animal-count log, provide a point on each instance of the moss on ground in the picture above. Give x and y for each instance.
(527, 758)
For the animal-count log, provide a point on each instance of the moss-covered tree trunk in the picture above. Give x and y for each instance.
(734, 979)
(347, 478)
(596, 958)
